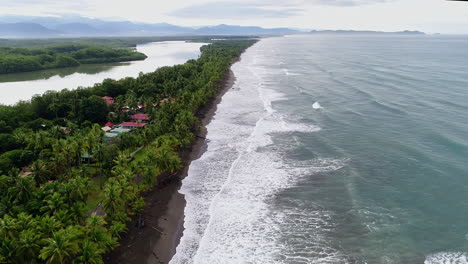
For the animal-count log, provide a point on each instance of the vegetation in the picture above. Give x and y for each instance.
(111, 42)
(14, 60)
(47, 188)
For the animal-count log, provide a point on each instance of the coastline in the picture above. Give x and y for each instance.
(163, 214)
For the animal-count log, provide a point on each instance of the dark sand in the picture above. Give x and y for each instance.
(157, 241)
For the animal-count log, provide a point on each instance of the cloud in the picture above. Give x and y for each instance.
(26, 6)
(235, 10)
(349, 2)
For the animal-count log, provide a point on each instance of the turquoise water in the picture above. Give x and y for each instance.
(336, 149)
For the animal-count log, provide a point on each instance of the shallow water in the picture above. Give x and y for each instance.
(22, 86)
(335, 149)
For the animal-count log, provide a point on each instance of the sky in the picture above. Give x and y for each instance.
(431, 16)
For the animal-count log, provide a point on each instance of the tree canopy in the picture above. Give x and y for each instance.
(14, 60)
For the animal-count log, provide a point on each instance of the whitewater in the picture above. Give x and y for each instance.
(231, 188)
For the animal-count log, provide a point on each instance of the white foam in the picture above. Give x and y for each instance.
(447, 258)
(229, 216)
(317, 105)
(288, 73)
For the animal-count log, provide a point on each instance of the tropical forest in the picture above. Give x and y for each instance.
(13, 59)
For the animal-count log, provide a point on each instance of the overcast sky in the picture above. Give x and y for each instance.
(390, 15)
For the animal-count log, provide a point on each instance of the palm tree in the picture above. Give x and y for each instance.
(7, 251)
(53, 204)
(112, 201)
(149, 175)
(131, 99)
(121, 162)
(95, 222)
(48, 225)
(62, 246)
(39, 141)
(88, 145)
(166, 159)
(22, 191)
(39, 172)
(90, 253)
(28, 245)
(69, 150)
(79, 149)
(58, 157)
(8, 227)
(116, 228)
(99, 152)
(5, 183)
(64, 217)
(21, 136)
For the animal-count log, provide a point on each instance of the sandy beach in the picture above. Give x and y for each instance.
(163, 214)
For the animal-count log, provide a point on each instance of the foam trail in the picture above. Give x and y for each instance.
(288, 73)
(316, 105)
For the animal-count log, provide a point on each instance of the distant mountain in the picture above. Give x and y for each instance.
(365, 32)
(76, 26)
(26, 30)
(77, 29)
(240, 30)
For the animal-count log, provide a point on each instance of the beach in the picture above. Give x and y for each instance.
(163, 214)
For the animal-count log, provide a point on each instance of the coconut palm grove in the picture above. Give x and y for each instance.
(74, 164)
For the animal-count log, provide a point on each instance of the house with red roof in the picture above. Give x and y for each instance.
(172, 100)
(109, 100)
(131, 125)
(140, 117)
(109, 124)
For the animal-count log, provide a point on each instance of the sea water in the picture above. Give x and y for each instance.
(335, 149)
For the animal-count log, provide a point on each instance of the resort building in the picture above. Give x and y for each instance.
(132, 125)
(140, 117)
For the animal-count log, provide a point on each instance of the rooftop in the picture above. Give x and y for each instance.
(132, 124)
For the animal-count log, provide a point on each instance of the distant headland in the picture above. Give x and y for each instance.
(366, 32)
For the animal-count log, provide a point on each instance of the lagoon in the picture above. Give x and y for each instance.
(22, 86)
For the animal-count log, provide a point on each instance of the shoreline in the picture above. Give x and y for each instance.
(163, 213)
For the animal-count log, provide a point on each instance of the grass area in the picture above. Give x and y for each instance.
(94, 196)
(140, 153)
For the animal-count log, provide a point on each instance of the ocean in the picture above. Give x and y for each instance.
(335, 149)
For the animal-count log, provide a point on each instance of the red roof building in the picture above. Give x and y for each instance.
(109, 100)
(167, 100)
(140, 117)
(132, 125)
(109, 124)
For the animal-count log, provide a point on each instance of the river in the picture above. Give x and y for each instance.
(22, 86)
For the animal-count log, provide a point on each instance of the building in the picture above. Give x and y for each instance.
(140, 117)
(109, 100)
(132, 125)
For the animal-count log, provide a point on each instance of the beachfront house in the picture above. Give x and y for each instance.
(132, 125)
(107, 127)
(140, 117)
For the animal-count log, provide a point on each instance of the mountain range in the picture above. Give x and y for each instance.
(77, 26)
